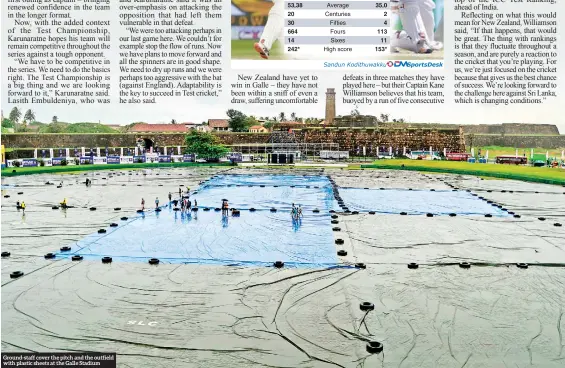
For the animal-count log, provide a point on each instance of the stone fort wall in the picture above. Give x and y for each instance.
(348, 139)
(351, 139)
(503, 129)
(500, 129)
(33, 140)
(517, 141)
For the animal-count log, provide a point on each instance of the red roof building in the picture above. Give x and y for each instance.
(258, 129)
(219, 124)
(158, 128)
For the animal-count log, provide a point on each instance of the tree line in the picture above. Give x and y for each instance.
(15, 121)
(239, 122)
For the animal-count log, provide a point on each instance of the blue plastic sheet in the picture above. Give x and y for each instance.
(269, 180)
(260, 237)
(267, 191)
(253, 238)
(417, 202)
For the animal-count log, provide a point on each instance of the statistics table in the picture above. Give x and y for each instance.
(337, 29)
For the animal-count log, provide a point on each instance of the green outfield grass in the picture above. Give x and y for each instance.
(243, 49)
(494, 151)
(74, 168)
(514, 172)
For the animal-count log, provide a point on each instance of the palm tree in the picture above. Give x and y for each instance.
(293, 116)
(54, 119)
(15, 115)
(173, 121)
(355, 111)
(384, 118)
(282, 116)
(29, 117)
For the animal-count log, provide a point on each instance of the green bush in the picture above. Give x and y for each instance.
(204, 145)
(7, 123)
(41, 162)
(17, 163)
(79, 128)
(64, 162)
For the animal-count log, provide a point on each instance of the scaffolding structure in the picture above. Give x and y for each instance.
(284, 141)
(304, 149)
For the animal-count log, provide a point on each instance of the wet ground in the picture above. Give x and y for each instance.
(215, 300)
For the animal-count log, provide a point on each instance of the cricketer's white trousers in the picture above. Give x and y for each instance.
(274, 29)
(418, 22)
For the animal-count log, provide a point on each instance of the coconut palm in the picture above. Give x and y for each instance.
(29, 117)
(355, 111)
(15, 115)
